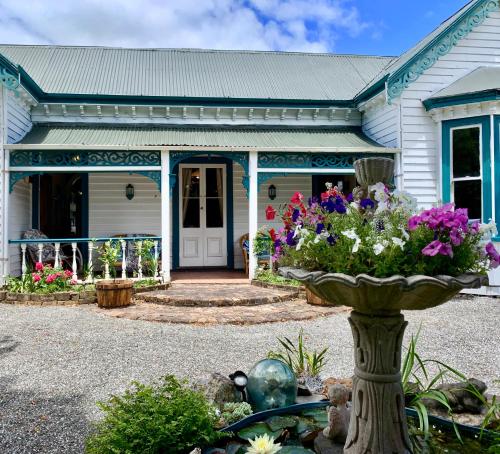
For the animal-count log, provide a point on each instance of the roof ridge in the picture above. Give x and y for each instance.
(194, 50)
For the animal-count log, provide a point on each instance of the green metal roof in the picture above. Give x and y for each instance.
(335, 139)
(190, 73)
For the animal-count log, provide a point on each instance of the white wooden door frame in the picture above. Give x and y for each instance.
(209, 244)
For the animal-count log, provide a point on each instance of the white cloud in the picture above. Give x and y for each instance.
(297, 25)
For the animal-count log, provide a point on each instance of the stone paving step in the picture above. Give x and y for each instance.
(220, 295)
(294, 310)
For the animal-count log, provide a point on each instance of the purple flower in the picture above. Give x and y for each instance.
(456, 237)
(349, 198)
(295, 215)
(328, 205)
(493, 255)
(290, 240)
(277, 243)
(367, 203)
(414, 222)
(437, 247)
(312, 201)
(319, 228)
(332, 239)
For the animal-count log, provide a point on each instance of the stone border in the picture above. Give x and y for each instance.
(298, 288)
(63, 298)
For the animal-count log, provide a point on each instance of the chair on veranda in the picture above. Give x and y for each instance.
(49, 250)
(262, 259)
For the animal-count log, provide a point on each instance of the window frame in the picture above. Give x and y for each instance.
(448, 180)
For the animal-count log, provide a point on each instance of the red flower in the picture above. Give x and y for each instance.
(297, 198)
(36, 277)
(270, 213)
(272, 234)
(39, 266)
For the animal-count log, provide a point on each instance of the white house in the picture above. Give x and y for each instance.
(184, 144)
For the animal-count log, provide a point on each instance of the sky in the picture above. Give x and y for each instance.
(374, 27)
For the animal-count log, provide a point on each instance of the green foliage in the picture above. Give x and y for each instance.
(109, 254)
(263, 243)
(271, 277)
(145, 283)
(167, 417)
(44, 279)
(303, 362)
(235, 411)
(145, 250)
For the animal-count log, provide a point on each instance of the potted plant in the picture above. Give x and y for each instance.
(373, 252)
(112, 292)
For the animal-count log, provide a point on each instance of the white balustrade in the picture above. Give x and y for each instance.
(24, 268)
(40, 252)
(139, 260)
(57, 259)
(90, 276)
(106, 271)
(155, 274)
(73, 262)
(124, 259)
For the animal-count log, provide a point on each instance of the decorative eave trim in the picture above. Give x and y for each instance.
(439, 46)
(466, 98)
(464, 110)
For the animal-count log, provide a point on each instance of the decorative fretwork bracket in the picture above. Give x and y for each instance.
(438, 47)
(9, 81)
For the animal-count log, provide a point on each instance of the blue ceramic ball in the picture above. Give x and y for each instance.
(271, 384)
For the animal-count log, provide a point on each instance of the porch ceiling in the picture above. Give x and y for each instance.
(95, 137)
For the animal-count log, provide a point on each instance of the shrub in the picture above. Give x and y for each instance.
(44, 279)
(166, 417)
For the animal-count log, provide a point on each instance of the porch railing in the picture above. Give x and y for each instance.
(84, 272)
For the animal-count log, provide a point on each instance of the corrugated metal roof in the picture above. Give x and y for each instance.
(285, 139)
(481, 79)
(195, 73)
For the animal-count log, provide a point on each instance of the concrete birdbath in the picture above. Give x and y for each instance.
(378, 423)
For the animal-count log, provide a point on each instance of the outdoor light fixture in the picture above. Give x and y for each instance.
(271, 192)
(240, 381)
(129, 192)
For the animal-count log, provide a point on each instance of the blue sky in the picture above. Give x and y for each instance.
(383, 27)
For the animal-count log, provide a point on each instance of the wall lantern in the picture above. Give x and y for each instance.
(271, 192)
(240, 381)
(129, 192)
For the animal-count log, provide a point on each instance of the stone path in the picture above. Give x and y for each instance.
(293, 310)
(206, 295)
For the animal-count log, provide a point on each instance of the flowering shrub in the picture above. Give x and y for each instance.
(44, 279)
(377, 232)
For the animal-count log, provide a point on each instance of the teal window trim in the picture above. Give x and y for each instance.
(496, 158)
(485, 128)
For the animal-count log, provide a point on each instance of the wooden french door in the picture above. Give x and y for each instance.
(202, 215)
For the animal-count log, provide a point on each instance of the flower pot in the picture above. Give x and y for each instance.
(374, 170)
(117, 293)
(378, 421)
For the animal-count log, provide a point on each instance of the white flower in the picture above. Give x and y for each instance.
(351, 234)
(263, 445)
(404, 233)
(405, 199)
(323, 235)
(398, 242)
(489, 229)
(378, 248)
(382, 206)
(300, 243)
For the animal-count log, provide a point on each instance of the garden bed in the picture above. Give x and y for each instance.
(66, 298)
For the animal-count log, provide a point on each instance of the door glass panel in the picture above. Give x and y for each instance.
(466, 152)
(214, 182)
(215, 212)
(468, 195)
(191, 213)
(191, 182)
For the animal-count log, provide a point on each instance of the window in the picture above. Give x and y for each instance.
(466, 165)
(466, 169)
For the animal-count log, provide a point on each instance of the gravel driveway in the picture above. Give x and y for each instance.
(56, 362)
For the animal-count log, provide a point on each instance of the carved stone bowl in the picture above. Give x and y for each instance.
(371, 295)
(373, 170)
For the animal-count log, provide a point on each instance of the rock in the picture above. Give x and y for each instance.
(323, 445)
(309, 435)
(220, 390)
(459, 397)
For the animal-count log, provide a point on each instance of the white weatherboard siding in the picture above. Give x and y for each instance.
(111, 213)
(240, 214)
(18, 119)
(19, 221)
(420, 137)
(382, 125)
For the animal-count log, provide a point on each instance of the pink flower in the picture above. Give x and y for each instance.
(36, 277)
(73, 282)
(39, 266)
(270, 213)
(456, 237)
(437, 247)
(297, 198)
(414, 222)
(493, 255)
(50, 278)
(68, 273)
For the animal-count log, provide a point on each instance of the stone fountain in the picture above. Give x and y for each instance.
(378, 420)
